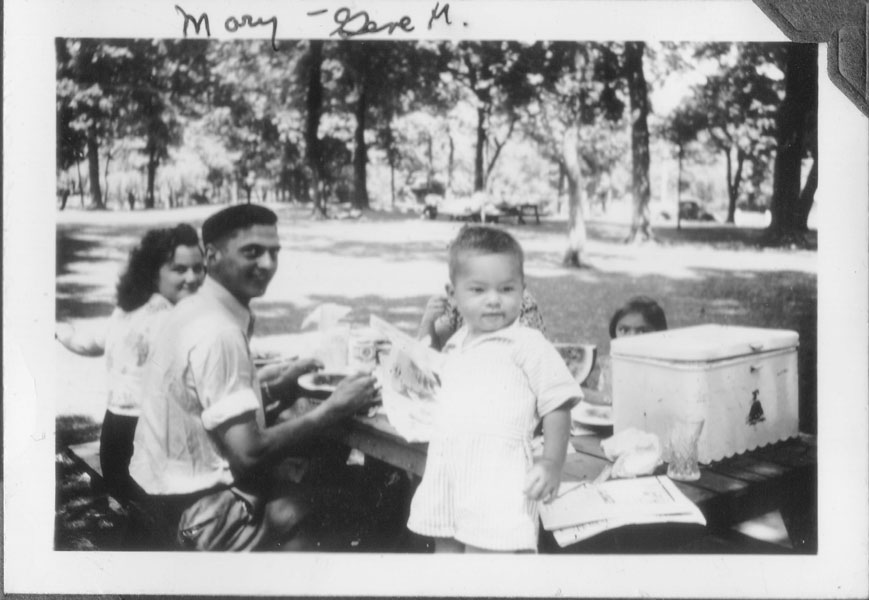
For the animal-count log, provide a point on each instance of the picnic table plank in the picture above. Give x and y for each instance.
(376, 437)
(588, 444)
(747, 468)
(796, 452)
(582, 467)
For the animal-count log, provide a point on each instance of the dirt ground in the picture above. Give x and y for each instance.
(389, 264)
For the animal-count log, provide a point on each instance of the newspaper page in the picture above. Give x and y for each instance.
(583, 510)
(410, 378)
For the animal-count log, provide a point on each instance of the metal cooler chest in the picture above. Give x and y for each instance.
(742, 380)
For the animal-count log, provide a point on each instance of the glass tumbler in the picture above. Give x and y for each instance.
(683, 438)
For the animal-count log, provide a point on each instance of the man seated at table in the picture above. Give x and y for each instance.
(203, 454)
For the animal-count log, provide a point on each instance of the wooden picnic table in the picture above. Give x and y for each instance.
(779, 476)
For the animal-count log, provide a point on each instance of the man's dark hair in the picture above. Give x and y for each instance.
(651, 311)
(139, 280)
(228, 221)
(481, 239)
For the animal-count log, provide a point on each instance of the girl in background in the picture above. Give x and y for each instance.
(637, 316)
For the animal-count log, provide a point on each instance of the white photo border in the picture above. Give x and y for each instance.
(32, 566)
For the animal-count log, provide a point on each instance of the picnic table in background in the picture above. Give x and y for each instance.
(479, 207)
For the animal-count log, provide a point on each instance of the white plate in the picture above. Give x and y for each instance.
(271, 359)
(597, 415)
(308, 381)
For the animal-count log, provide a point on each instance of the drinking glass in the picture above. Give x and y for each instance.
(684, 435)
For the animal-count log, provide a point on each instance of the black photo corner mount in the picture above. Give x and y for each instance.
(842, 24)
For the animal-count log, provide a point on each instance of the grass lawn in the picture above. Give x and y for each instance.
(389, 264)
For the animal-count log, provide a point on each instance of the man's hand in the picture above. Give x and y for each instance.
(353, 394)
(281, 378)
(542, 480)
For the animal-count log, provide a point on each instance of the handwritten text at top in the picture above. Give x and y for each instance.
(350, 23)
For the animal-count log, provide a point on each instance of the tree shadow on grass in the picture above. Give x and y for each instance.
(72, 302)
(274, 318)
(75, 429)
(710, 235)
(398, 251)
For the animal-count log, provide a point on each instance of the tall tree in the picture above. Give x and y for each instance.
(495, 75)
(92, 90)
(71, 138)
(169, 78)
(738, 105)
(681, 128)
(641, 227)
(796, 137)
(261, 124)
(577, 85)
(378, 82)
(313, 112)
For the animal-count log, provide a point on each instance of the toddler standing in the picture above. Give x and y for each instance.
(499, 380)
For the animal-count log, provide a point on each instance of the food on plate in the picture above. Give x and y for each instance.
(596, 415)
(320, 385)
(579, 358)
(327, 379)
(598, 412)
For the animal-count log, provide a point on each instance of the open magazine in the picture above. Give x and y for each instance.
(409, 375)
(584, 509)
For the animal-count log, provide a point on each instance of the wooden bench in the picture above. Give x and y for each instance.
(87, 456)
(139, 526)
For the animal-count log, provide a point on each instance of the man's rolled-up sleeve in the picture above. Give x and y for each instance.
(223, 377)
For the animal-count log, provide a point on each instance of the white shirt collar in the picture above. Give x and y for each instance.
(458, 338)
(240, 313)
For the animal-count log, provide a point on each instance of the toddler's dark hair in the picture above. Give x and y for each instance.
(481, 239)
(651, 311)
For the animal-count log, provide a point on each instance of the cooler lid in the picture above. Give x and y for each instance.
(704, 343)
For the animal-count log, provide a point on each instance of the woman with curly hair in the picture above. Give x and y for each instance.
(166, 266)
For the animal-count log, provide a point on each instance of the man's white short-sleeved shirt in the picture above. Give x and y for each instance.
(200, 374)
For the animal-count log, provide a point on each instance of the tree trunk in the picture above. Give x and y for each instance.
(639, 97)
(729, 174)
(80, 182)
(152, 177)
(576, 233)
(451, 161)
(734, 189)
(314, 107)
(561, 178)
(796, 114)
(429, 176)
(807, 197)
(106, 176)
(679, 186)
(392, 182)
(94, 168)
(479, 182)
(360, 158)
